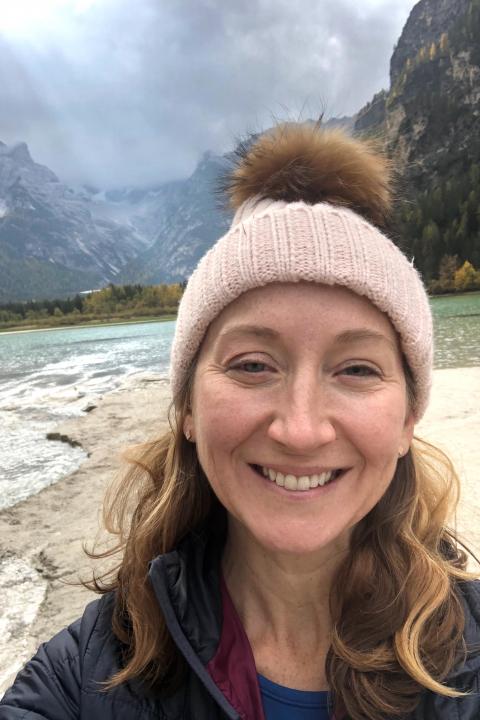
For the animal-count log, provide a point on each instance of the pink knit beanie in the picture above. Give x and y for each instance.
(305, 200)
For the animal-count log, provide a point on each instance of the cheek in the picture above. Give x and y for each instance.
(380, 432)
(223, 417)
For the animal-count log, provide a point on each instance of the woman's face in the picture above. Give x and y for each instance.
(299, 412)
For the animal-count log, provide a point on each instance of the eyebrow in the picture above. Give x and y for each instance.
(363, 335)
(259, 331)
(345, 338)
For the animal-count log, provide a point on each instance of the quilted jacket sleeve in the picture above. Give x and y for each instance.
(49, 685)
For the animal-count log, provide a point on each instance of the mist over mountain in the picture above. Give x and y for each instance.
(53, 238)
(57, 240)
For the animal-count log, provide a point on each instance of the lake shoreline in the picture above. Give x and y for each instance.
(108, 323)
(42, 536)
(164, 318)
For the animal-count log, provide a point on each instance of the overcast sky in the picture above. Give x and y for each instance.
(132, 92)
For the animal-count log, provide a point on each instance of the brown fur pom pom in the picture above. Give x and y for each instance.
(296, 162)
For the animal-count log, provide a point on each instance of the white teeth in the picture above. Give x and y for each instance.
(304, 482)
(290, 482)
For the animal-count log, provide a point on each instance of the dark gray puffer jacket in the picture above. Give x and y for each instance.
(64, 680)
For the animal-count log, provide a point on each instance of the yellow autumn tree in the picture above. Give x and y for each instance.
(433, 51)
(466, 277)
(444, 42)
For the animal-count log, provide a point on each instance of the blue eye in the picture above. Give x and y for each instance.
(361, 371)
(251, 367)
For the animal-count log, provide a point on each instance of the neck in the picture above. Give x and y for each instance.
(283, 602)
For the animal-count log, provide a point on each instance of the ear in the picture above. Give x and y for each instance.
(407, 433)
(188, 427)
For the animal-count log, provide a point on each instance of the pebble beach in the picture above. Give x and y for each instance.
(41, 555)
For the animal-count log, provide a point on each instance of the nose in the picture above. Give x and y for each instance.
(303, 421)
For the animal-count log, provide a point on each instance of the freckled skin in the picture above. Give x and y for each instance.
(298, 397)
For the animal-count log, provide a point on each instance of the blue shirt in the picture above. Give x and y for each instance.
(282, 703)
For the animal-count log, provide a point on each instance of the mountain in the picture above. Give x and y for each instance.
(426, 24)
(51, 242)
(183, 219)
(56, 240)
(186, 218)
(429, 121)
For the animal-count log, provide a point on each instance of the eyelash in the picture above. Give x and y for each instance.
(242, 366)
(371, 371)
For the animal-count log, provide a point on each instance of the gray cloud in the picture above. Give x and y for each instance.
(133, 93)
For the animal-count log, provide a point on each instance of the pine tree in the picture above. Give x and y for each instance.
(430, 249)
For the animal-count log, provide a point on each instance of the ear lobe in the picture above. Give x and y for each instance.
(188, 428)
(408, 430)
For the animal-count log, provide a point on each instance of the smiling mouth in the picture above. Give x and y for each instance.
(294, 482)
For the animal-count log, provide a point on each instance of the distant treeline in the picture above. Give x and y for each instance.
(115, 302)
(125, 302)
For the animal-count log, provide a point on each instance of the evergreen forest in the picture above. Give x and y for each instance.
(440, 222)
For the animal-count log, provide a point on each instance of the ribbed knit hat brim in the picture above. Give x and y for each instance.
(280, 242)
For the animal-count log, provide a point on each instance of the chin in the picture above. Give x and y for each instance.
(302, 542)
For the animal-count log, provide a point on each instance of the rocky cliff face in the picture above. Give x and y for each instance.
(427, 22)
(371, 118)
(50, 239)
(430, 123)
(56, 241)
(183, 219)
(434, 98)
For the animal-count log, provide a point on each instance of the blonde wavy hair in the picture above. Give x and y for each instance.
(397, 616)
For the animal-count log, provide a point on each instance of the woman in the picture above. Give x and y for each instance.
(284, 548)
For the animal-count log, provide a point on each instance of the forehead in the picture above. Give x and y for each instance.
(302, 310)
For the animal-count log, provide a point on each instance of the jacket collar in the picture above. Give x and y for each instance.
(203, 623)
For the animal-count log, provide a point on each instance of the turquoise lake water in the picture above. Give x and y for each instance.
(457, 330)
(50, 375)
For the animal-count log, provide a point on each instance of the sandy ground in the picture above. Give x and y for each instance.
(41, 538)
